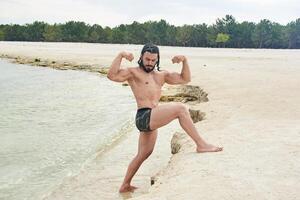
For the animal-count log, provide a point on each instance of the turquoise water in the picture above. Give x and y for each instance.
(52, 122)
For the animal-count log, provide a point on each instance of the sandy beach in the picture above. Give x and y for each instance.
(253, 112)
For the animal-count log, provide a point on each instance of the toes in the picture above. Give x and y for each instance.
(220, 148)
(210, 149)
(217, 149)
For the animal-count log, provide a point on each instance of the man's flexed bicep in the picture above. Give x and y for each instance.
(179, 78)
(117, 74)
(121, 76)
(174, 78)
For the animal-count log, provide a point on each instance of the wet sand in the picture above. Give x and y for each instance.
(253, 111)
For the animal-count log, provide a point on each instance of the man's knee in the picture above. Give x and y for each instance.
(144, 155)
(182, 109)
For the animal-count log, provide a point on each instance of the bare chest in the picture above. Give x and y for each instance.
(147, 83)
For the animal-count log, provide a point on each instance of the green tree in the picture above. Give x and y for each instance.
(222, 38)
(95, 33)
(199, 35)
(74, 32)
(137, 33)
(106, 37)
(277, 36)
(212, 35)
(35, 31)
(293, 34)
(119, 34)
(14, 32)
(246, 32)
(263, 34)
(171, 35)
(183, 35)
(229, 26)
(160, 29)
(2, 33)
(53, 33)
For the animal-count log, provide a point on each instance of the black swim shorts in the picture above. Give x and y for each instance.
(142, 119)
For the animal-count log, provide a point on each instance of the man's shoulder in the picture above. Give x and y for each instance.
(132, 68)
(163, 72)
(135, 71)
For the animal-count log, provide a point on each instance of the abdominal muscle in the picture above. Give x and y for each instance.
(147, 104)
(147, 90)
(147, 97)
(148, 100)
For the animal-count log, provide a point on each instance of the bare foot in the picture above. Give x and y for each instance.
(208, 148)
(127, 188)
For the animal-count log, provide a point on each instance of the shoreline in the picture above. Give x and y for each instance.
(55, 64)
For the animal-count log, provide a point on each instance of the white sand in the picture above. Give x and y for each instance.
(253, 111)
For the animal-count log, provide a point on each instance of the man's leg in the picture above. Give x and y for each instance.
(145, 148)
(165, 113)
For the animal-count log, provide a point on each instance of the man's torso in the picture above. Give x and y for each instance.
(146, 87)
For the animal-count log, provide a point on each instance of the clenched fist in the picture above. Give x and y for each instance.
(178, 59)
(128, 56)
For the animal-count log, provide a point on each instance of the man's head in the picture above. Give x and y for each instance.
(149, 58)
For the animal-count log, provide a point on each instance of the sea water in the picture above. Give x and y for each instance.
(52, 122)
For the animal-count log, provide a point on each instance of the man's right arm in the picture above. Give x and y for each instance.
(117, 74)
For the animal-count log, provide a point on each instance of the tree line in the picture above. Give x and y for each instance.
(225, 32)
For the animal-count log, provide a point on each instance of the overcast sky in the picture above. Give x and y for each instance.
(112, 12)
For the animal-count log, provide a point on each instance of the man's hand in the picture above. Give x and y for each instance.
(128, 56)
(178, 59)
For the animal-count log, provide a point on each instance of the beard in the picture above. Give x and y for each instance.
(147, 68)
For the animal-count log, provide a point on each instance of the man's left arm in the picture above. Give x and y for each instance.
(179, 78)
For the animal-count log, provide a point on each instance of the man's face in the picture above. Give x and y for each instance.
(149, 60)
